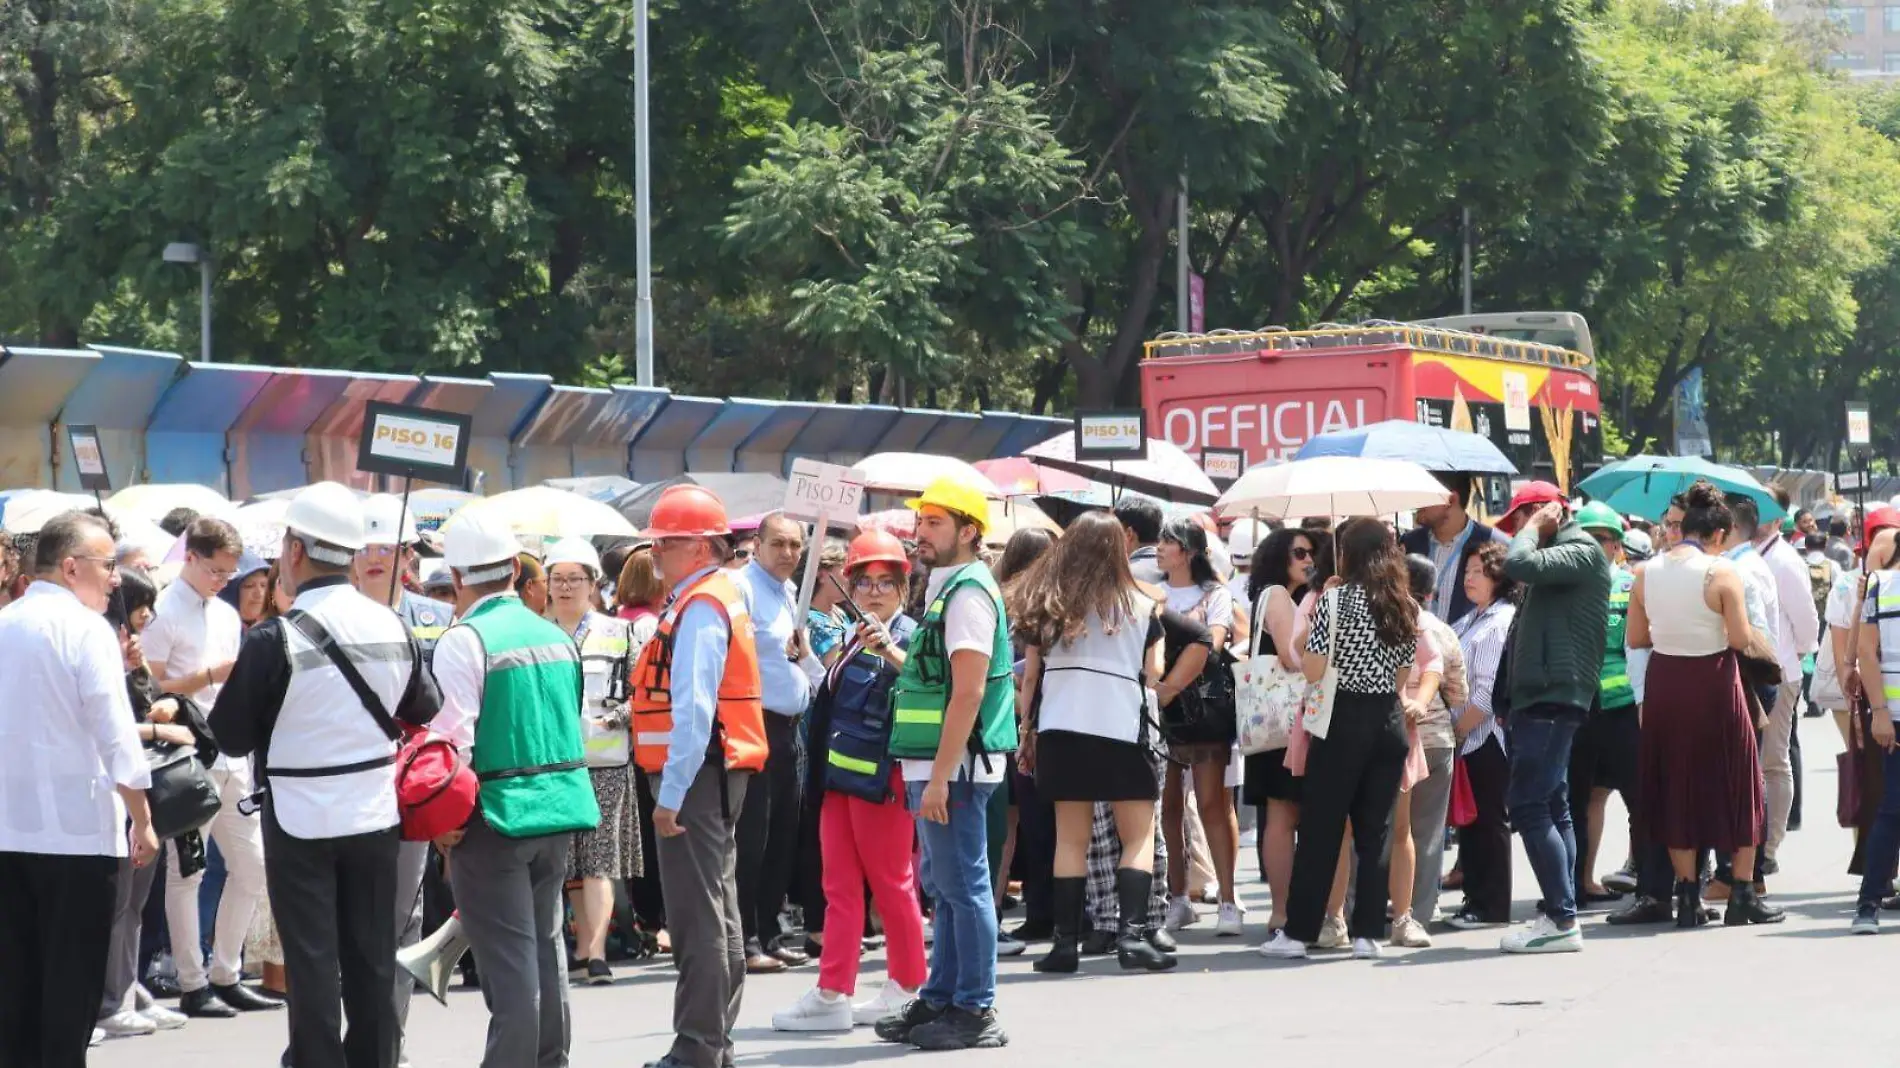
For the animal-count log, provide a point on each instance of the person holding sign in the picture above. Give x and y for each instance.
(699, 735)
(611, 851)
(389, 552)
(768, 825)
(954, 716)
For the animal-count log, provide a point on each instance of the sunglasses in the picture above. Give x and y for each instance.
(1302, 553)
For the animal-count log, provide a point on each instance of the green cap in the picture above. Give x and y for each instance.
(1599, 516)
(1787, 525)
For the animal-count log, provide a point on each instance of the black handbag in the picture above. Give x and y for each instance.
(182, 796)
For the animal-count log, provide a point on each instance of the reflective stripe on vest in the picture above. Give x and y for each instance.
(862, 767)
(738, 733)
(922, 691)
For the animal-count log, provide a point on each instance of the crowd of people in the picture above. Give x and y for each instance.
(668, 753)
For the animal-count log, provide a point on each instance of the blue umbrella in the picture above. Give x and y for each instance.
(1643, 485)
(1434, 448)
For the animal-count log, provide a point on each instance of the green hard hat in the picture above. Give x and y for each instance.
(1787, 525)
(1599, 516)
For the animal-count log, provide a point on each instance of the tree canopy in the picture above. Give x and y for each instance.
(961, 203)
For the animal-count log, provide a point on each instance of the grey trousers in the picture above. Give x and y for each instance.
(412, 859)
(122, 960)
(508, 892)
(1431, 799)
(698, 874)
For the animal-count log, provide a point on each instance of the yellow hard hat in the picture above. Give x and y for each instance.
(953, 496)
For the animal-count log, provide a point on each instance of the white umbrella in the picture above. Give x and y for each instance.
(153, 499)
(1331, 486)
(553, 513)
(913, 472)
(27, 511)
(1167, 474)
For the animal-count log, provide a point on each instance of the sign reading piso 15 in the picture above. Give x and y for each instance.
(410, 442)
(818, 491)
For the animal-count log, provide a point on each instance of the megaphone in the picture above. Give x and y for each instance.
(432, 961)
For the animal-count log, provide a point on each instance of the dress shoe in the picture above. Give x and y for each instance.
(244, 998)
(1642, 910)
(204, 1003)
(790, 956)
(763, 964)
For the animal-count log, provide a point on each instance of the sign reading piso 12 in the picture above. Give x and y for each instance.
(410, 442)
(818, 491)
(1111, 435)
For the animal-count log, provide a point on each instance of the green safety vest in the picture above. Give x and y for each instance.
(528, 753)
(922, 691)
(1616, 689)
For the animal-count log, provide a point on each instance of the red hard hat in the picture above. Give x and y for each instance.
(1878, 519)
(1529, 493)
(687, 512)
(876, 547)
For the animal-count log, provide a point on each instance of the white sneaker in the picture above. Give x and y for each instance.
(889, 1002)
(1180, 913)
(163, 1018)
(1007, 946)
(1229, 925)
(1542, 935)
(98, 1036)
(125, 1024)
(816, 1011)
(1366, 949)
(1408, 933)
(1280, 947)
(1332, 934)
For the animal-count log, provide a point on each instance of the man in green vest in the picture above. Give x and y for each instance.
(511, 697)
(1603, 759)
(953, 722)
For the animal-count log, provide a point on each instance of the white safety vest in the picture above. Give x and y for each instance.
(1092, 685)
(606, 647)
(323, 724)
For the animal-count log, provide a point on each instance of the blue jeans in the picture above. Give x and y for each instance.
(1539, 800)
(1883, 840)
(956, 874)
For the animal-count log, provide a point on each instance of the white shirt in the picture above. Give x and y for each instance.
(969, 622)
(461, 669)
(190, 633)
(1220, 605)
(70, 736)
(1797, 627)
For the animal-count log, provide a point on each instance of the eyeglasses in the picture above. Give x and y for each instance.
(742, 554)
(378, 550)
(866, 584)
(562, 582)
(111, 563)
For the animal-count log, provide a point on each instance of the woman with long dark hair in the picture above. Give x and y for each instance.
(1276, 582)
(1700, 775)
(1353, 771)
(1092, 643)
(1484, 847)
(1204, 746)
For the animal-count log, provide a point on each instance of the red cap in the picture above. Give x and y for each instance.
(1531, 493)
(1878, 519)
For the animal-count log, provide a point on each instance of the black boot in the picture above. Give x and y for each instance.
(1132, 947)
(1745, 907)
(1064, 957)
(1689, 903)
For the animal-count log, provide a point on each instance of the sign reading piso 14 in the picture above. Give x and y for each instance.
(1111, 435)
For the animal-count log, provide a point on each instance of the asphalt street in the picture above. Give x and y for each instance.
(1801, 993)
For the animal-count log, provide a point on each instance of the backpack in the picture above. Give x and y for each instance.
(858, 761)
(1821, 583)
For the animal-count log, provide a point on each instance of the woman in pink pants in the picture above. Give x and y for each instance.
(865, 833)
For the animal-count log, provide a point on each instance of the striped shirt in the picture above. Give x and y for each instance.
(1481, 634)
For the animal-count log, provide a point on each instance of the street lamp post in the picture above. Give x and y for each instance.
(186, 252)
(642, 204)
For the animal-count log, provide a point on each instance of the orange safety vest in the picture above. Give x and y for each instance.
(739, 725)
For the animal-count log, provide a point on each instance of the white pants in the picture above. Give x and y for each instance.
(240, 841)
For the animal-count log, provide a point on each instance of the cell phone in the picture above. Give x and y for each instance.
(851, 609)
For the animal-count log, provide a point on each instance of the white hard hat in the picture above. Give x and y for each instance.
(329, 513)
(381, 513)
(1246, 536)
(481, 546)
(574, 551)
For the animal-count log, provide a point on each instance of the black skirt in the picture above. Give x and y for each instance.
(1266, 779)
(1071, 766)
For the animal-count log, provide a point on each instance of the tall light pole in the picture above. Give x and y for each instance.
(186, 252)
(642, 204)
(1182, 269)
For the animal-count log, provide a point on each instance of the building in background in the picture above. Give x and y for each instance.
(1860, 38)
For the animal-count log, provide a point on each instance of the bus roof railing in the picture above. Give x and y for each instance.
(1371, 332)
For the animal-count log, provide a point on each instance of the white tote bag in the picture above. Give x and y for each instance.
(1267, 697)
(1319, 703)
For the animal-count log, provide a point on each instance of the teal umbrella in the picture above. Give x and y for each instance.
(1643, 485)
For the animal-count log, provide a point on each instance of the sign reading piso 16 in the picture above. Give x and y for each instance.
(410, 442)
